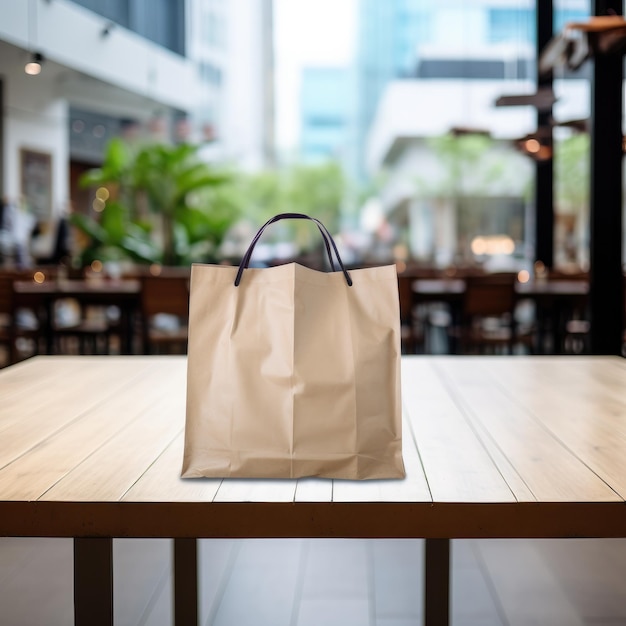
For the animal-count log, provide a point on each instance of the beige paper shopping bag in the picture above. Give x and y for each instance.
(293, 372)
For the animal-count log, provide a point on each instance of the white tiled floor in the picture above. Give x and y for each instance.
(330, 582)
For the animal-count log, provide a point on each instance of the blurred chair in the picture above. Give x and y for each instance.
(82, 330)
(576, 338)
(165, 313)
(488, 323)
(19, 330)
(573, 316)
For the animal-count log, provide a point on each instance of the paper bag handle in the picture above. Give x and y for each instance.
(326, 236)
(276, 218)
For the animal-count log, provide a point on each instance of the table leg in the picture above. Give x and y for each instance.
(437, 582)
(185, 581)
(48, 323)
(93, 581)
(455, 338)
(126, 329)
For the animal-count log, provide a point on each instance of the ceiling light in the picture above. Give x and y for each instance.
(33, 67)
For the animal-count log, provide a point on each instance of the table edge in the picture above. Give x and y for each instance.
(313, 519)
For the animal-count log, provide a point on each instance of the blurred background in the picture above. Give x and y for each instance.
(149, 134)
(379, 117)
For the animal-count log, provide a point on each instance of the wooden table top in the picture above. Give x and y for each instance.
(493, 447)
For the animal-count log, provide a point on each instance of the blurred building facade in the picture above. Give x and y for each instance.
(170, 71)
(427, 69)
(325, 107)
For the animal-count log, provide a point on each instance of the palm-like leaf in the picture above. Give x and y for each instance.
(167, 176)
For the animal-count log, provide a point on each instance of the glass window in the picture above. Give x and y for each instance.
(511, 25)
(115, 10)
(563, 16)
(161, 21)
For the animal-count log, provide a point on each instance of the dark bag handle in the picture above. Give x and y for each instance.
(276, 218)
(326, 236)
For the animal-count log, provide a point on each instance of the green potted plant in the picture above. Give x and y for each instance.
(167, 182)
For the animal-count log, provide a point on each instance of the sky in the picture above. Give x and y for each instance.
(307, 32)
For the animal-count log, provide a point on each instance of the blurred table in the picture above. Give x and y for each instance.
(554, 288)
(438, 289)
(493, 447)
(125, 294)
(555, 300)
(431, 292)
(444, 290)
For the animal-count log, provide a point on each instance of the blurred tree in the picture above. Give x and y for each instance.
(263, 195)
(466, 172)
(170, 182)
(316, 190)
(571, 160)
(571, 198)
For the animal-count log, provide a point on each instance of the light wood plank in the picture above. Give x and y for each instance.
(457, 465)
(597, 379)
(606, 374)
(27, 372)
(28, 394)
(578, 406)
(314, 490)
(546, 466)
(413, 488)
(89, 386)
(162, 481)
(256, 490)
(114, 468)
(29, 476)
(516, 483)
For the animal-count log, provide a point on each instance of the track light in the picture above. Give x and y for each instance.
(537, 145)
(33, 67)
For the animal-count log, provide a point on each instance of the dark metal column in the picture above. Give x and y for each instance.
(606, 297)
(544, 183)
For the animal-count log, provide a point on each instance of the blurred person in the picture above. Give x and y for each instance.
(23, 226)
(16, 226)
